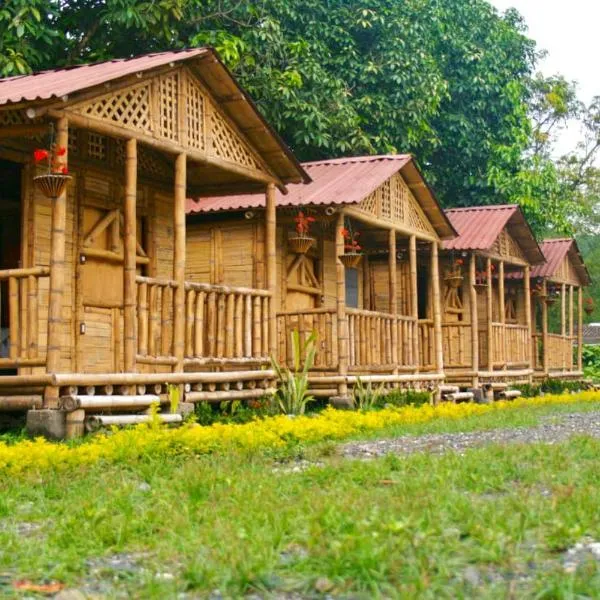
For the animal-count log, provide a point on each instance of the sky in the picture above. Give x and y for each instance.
(568, 31)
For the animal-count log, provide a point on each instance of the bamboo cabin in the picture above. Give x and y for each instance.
(486, 302)
(96, 313)
(357, 262)
(557, 320)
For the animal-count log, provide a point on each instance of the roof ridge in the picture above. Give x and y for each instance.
(481, 208)
(350, 159)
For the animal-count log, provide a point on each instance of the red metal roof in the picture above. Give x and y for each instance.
(554, 252)
(334, 181)
(478, 228)
(57, 83)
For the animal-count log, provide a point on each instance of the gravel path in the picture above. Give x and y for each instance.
(557, 428)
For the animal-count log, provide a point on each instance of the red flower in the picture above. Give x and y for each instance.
(39, 155)
(303, 223)
(61, 151)
(64, 171)
(459, 261)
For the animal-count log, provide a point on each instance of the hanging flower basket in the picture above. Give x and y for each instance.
(453, 280)
(588, 306)
(351, 259)
(300, 244)
(588, 309)
(52, 185)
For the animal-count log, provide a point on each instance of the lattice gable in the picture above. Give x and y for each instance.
(566, 271)
(175, 107)
(505, 245)
(393, 201)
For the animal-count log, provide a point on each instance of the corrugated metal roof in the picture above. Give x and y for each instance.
(554, 252)
(478, 228)
(57, 83)
(336, 181)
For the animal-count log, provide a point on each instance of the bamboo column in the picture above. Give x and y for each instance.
(129, 264)
(437, 314)
(502, 310)
(271, 264)
(530, 330)
(414, 294)
(545, 327)
(393, 295)
(57, 272)
(179, 261)
(490, 315)
(571, 327)
(342, 323)
(563, 322)
(474, 319)
(579, 328)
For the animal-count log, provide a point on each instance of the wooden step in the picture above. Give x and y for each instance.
(95, 422)
(465, 396)
(75, 402)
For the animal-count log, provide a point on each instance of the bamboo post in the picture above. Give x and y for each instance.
(437, 314)
(490, 315)
(271, 263)
(57, 272)
(502, 310)
(527, 286)
(545, 328)
(393, 295)
(414, 294)
(179, 261)
(579, 328)
(570, 344)
(474, 319)
(342, 323)
(129, 264)
(563, 322)
(33, 315)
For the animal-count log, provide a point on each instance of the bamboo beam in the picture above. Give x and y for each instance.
(129, 254)
(179, 260)
(57, 268)
(437, 314)
(502, 309)
(414, 294)
(527, 288)
(545, 327)
(579, 328)
(10, 131)
(474, 318)
(342, 322)
(271, 264)
(490, 315)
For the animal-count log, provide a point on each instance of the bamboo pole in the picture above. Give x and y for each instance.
(129, 248)
(142, 318)
(33, 316)
(393, 293)
(437, 315)
(563, 323)
(271, 263)
(414, 294)
(57, 270)
(490, 315)
(545, 327)
(199, 325)
(502, 310)
(13, 317)
(579, 328)
(527, 287)
(474, 318)
(342, 322)
(179, 260)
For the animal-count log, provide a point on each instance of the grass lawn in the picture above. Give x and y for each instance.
(492, 523)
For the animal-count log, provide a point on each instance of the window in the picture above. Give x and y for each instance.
(352, 288)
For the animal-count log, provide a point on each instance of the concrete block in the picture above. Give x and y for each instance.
(49, 423)
(185, 409)
(341, 402)
(478, 396)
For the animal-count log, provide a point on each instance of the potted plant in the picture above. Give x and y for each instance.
(352, 250)
(454, 277)
(52, 183)
(537, 290)
(302, 242)
(552, 296)
(588, 305)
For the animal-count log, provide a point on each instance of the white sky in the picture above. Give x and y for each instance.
(568, 30)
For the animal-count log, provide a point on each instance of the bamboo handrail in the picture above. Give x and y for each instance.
(19, 273)
(224, 289)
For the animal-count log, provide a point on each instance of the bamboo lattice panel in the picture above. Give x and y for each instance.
(505, 245)
(566, 272)
(228, 145)
(12, 117)
(393, 201)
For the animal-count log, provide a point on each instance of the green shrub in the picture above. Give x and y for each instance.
(406, 397)
(364, 397)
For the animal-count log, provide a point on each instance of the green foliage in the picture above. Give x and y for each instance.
(549, 386)
(591, 361)
(406, 397)
(292, 394)
(174, 394)
(364, 397)
(234, 411)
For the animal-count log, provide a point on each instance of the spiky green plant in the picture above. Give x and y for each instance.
(364, 397)
(292, 393)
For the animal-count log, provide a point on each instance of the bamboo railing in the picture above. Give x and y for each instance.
(226, 324)
(381, 340)
(560, 351)
(458, 349)
(25, 314)
(426, 345)
(320, 320)
(511, 345)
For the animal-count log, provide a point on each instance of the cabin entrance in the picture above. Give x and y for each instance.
(10, 241)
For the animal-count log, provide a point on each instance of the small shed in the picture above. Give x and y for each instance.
(486, 302)
(558, 319)
(375, 310)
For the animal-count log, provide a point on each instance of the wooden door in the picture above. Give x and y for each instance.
(100, 277)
